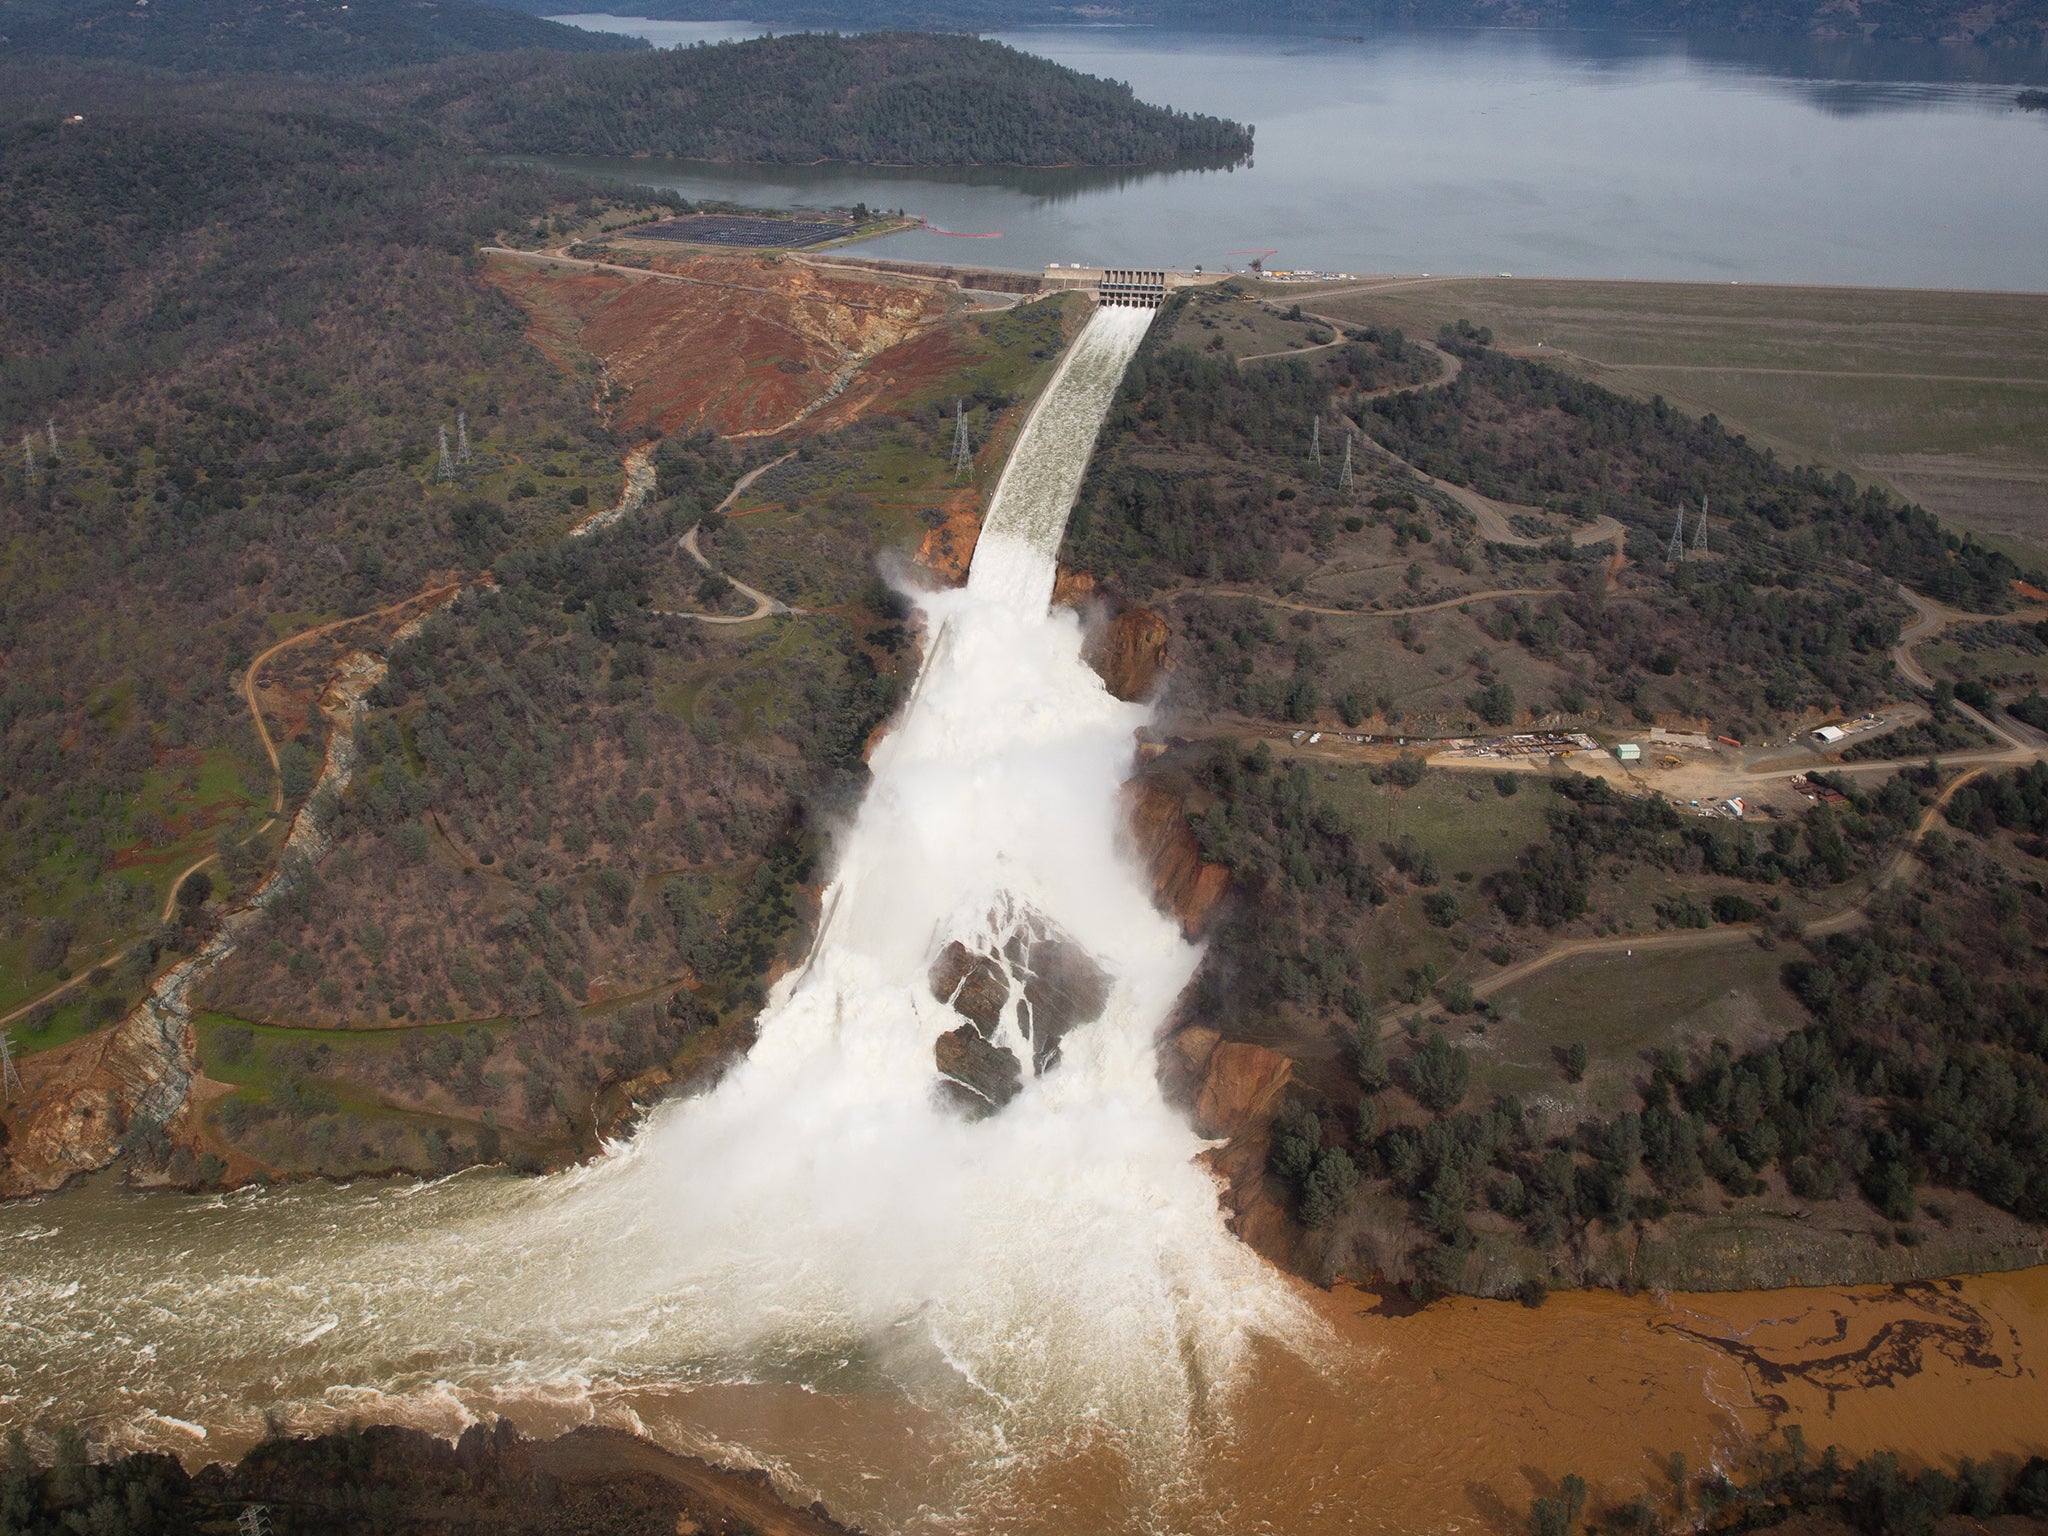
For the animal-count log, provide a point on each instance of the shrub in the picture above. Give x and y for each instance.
(1331, 1184)
(1438, 1074)
(1495, 703)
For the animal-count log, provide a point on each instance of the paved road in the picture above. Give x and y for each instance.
(553, 259)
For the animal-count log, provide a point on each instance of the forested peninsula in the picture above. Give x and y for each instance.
(897, 98)
(321, 38)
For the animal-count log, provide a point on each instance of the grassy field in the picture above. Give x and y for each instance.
(131, 881)
(1460, 817)
(1621, 1007)
(1216, 321)
(1943, 397)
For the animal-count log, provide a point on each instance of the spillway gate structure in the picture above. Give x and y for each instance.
(1122, 287)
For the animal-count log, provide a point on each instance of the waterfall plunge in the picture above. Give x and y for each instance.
(1066, 1257)
(1057, 1271)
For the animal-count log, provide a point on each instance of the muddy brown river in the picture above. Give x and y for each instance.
(1454, 1418)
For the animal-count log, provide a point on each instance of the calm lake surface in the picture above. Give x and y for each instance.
(1551, 154)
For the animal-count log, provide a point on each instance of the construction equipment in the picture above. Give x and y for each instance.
(1258, 258)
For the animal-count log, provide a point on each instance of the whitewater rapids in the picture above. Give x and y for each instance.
(1058, 1273)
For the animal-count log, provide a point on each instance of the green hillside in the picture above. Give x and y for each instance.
(880, 97)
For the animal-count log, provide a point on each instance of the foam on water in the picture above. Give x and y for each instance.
(1059, 1268)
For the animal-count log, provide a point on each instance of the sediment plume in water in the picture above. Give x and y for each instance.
(1055, 1272)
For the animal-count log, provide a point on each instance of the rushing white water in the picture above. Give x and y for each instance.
(1057, 1270)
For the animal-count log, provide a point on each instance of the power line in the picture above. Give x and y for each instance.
(963, 449)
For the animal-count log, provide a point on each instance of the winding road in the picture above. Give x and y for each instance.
(1360, 613)
(1493, 517)
(433, 597)
(1722, 936)
(764, 605)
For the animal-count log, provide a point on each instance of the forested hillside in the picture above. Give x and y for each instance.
(1291, 525)
(230, 339)
(311, 37)
(2003, 22)
(885, 97)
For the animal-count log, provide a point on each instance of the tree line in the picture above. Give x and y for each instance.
(872, 98)
(235, 37)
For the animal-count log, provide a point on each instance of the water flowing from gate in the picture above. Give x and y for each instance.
(1054, 1273)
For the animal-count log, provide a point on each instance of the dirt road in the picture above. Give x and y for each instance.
(764, 605)
(432, 598)
(1900, 867)
(1361, 613)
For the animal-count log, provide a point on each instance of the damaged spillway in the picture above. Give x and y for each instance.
(944, 1173)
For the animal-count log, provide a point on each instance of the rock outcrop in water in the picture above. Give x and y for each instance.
(1057, 987)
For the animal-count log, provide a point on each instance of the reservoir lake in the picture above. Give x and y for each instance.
(1562, 154)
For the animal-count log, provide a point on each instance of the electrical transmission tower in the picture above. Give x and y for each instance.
(447, 468)
(1699, 532)
(1315, 442)
(50, 427)
(1676, 552)
(1344, 469)
(462, 453)
(254, 1521)
(963, 448)
(10, 1080)
(29, 468)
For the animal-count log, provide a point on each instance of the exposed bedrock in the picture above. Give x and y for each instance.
(1130, 653)
(1231, 1091)
(1055, 986)
(1182, 883)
